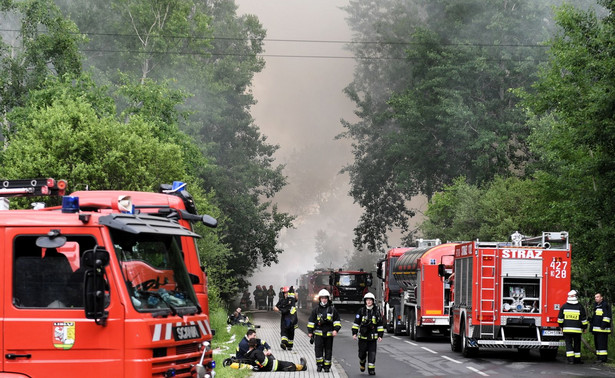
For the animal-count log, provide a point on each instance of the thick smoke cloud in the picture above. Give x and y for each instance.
(300, 104)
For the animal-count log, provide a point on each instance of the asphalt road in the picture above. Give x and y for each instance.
(398, 356)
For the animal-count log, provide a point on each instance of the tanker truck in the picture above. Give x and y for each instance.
(425, 302)
(391, 292)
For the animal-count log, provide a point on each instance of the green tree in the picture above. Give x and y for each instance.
(46, 45)
(444, 109)
(574, 131)
(209, 53)
(66, 138)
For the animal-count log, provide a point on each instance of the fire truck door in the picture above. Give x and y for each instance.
(45, 331)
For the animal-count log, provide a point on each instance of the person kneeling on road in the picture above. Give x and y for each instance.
(243, 347)
(262, 362)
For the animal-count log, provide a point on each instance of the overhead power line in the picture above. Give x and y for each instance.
(328, 41)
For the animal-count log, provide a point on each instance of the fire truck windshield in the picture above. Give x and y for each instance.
(155, 273)
(351, 280)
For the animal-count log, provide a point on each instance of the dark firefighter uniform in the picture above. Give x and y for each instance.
(243, 348)
(368, 328)
(288, 320)
(601, 328)
(261, 362)
(573, 321)
(323, 320)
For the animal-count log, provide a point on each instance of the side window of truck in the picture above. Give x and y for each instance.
(49, 277)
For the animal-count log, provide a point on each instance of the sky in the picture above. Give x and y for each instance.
(300, 105)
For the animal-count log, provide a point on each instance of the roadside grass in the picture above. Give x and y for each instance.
(224, 343)
(588, 350)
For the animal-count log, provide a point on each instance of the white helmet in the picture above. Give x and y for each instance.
(369, 296)
(323, 293)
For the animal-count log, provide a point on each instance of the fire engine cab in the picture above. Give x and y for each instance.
(508, 294)
(96, 293)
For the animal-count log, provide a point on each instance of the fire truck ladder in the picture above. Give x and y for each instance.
(487, 294)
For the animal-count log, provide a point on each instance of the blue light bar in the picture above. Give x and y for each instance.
(178, 186)
(70, 204)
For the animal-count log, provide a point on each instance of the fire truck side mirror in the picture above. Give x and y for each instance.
(441, 270)
(95, 284)
(379, 270)
(369, 280)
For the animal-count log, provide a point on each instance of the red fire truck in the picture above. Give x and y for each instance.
(392, 293)
(318, 279)
(173, 202)
(508, 295)
(96, 293)
(349, 286)
(425, 301)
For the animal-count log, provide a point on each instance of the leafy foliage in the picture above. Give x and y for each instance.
(191, 63)
(47, 45)
(574, 130)
(445, 109)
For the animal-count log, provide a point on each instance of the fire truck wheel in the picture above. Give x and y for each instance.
(412, 326)
(466, 350)
(548, 354)
(455, 340)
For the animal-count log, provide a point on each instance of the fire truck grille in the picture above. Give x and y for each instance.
(177, 362)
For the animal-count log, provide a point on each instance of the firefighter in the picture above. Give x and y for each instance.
(243, 347)
(324, 324)
(367, 327)
(288, 321)
(573, 321)
(258, 295)
(270, 295)
(262, 362)
(601, 327)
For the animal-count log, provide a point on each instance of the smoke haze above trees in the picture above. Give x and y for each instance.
(437, 104)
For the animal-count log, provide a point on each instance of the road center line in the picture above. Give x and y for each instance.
(411, 343)
(451, 359)
(429, 350)
(477, 371)
(395, 337)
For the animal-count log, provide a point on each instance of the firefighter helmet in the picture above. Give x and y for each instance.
(285, 289)
(369, 296)
(323, 293)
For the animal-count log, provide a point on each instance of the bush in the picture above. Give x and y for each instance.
(225, 342)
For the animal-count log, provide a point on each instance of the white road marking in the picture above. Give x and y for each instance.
(451, 359)
(395, 337)
(477, 371)
(411, 343)
(429, 350)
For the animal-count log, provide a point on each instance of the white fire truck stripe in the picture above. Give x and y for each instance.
(168, 331)
(157, 329)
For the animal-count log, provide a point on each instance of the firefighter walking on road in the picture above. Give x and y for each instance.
(573, 321)
(367, 327)
(324, 324)
(601, 327)
(288, 322)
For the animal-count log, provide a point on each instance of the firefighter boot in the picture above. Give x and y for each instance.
(371, 371)
(362, 365)
(319, 367)
(284, 344)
